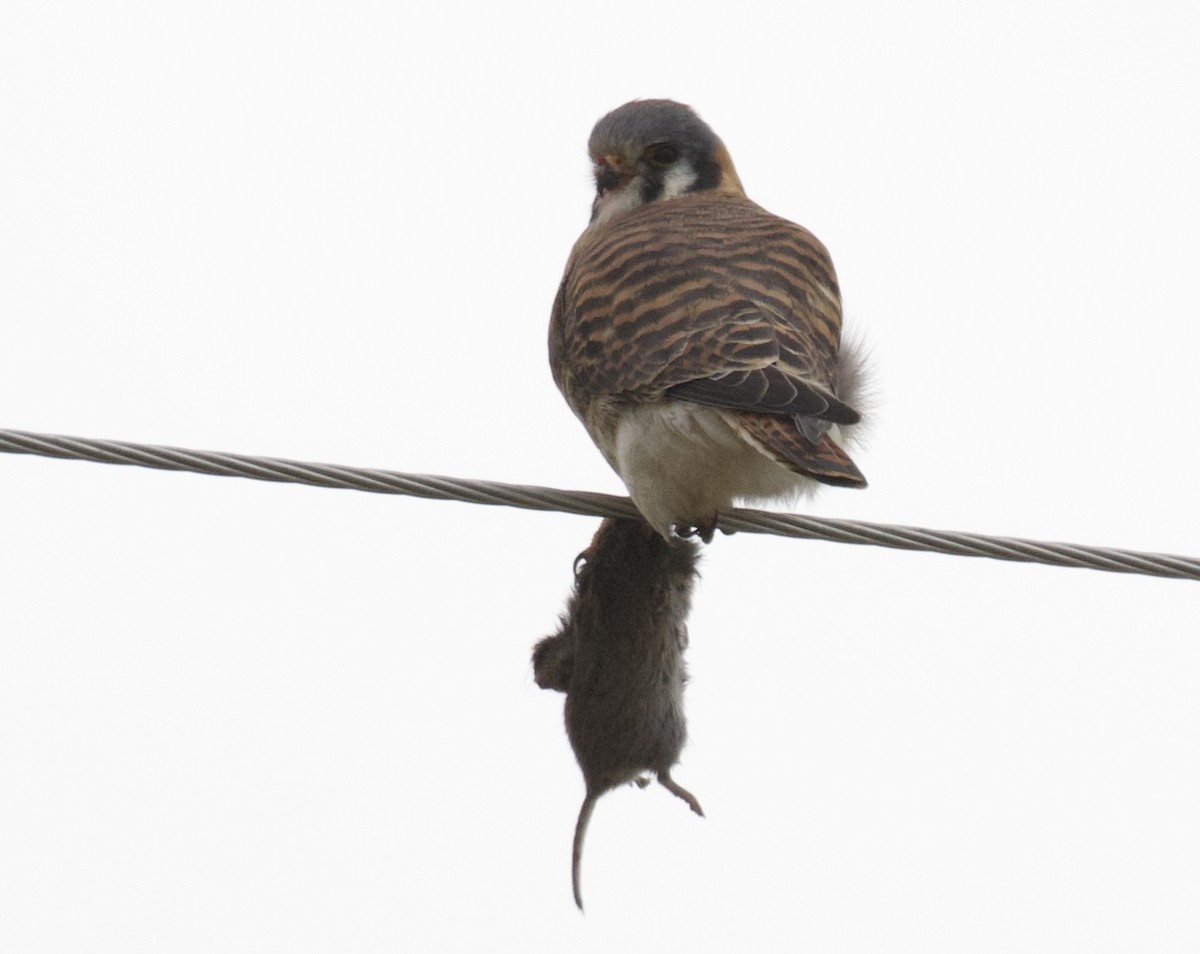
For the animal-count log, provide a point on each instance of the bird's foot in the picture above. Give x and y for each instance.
(704, 530)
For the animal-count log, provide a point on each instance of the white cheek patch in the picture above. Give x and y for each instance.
(617, 202)
(678, 180)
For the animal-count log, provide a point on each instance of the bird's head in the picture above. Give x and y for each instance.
(654, 149)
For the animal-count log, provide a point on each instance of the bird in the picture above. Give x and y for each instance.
(696, 335)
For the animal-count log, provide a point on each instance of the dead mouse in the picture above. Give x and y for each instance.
(618, 655)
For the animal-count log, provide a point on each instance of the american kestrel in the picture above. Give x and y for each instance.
(695, 334)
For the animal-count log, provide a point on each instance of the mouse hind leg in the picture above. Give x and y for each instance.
(665, 780)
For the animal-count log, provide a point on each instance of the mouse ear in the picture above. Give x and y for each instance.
(553, 662)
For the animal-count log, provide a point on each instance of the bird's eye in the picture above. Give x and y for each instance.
(662, 154)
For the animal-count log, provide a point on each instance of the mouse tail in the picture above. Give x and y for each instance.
(581, 825)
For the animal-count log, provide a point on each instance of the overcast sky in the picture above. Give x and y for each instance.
(238, 716)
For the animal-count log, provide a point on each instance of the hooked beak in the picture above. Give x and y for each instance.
(611, 174)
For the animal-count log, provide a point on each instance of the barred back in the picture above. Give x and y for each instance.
(703, 285)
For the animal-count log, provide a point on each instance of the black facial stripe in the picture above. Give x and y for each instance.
(652, 187)
(708, 175)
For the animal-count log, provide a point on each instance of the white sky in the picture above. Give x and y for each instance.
(248, 717)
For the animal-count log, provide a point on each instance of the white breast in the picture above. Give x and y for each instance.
(682, 462)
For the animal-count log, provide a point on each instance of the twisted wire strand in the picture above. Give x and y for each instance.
(434, 487)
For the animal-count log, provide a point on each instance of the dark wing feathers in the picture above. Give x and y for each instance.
(767, 390)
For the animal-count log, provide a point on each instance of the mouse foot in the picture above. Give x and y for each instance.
(679, 791)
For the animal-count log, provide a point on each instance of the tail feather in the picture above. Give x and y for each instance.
(781, 439)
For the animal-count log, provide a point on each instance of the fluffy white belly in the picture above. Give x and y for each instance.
(682, 462)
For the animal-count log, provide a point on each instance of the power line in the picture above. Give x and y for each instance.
(434, 487)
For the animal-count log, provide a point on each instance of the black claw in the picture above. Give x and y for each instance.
(702, 530)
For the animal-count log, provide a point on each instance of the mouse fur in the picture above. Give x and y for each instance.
(618, 656)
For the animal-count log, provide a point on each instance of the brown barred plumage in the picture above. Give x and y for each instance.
(693, 300)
